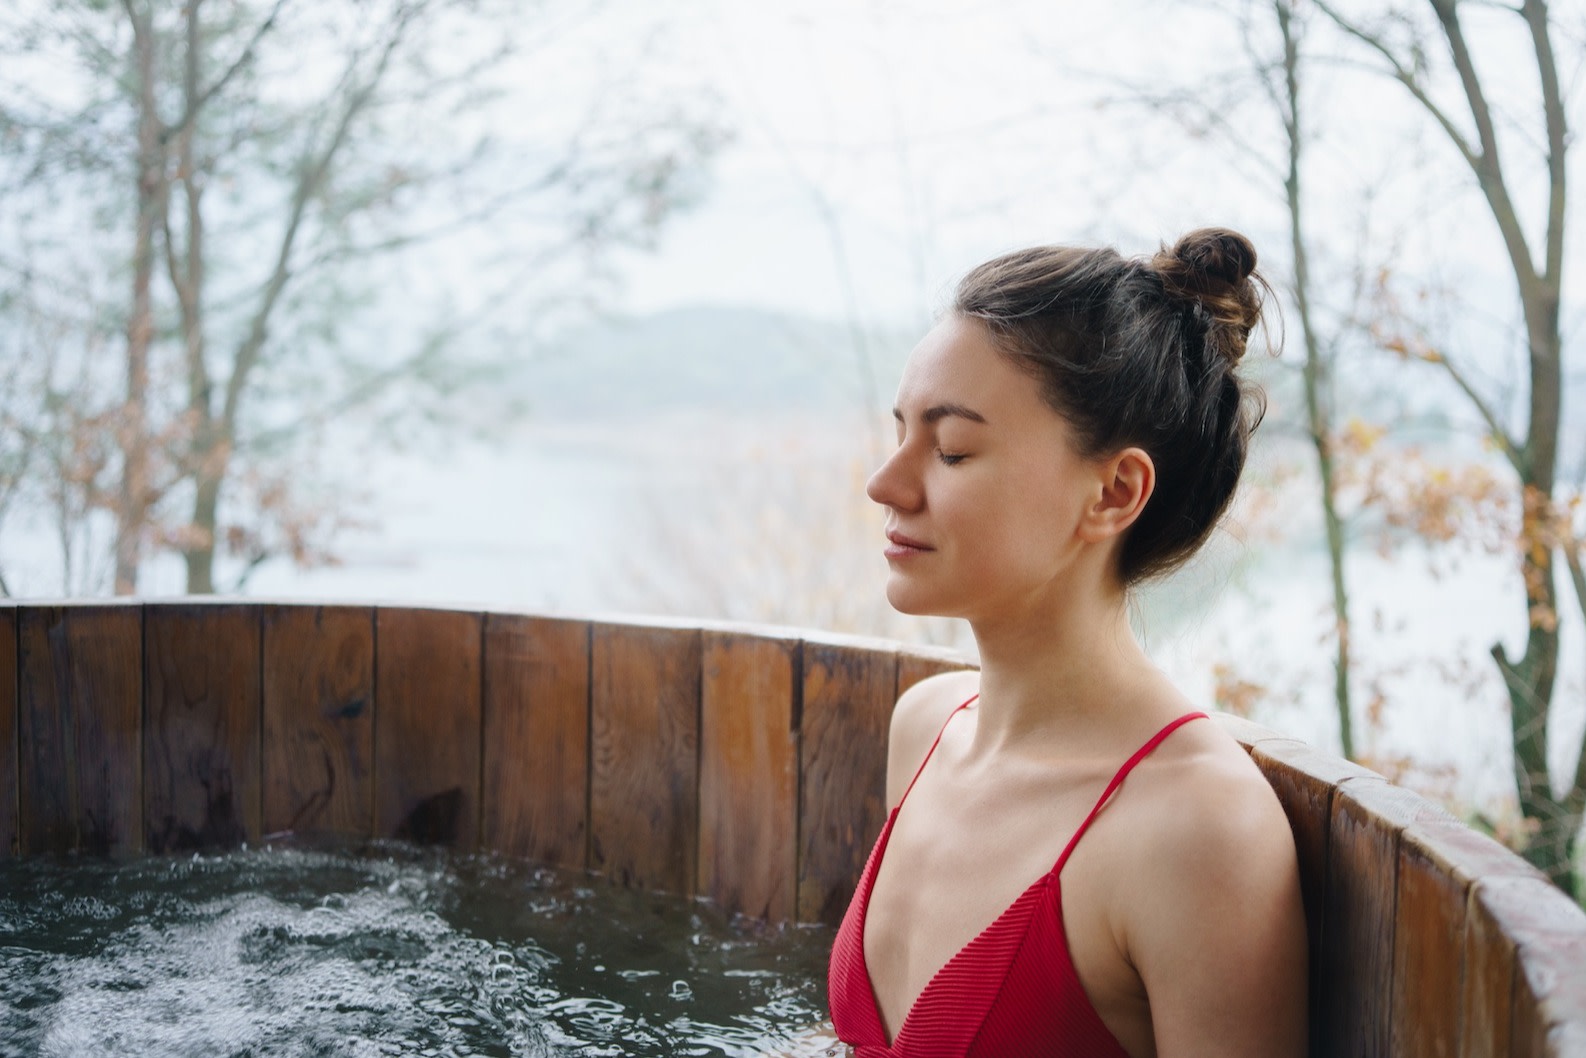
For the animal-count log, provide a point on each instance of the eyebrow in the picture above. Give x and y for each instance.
(937, 412)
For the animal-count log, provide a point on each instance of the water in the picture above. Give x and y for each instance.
(393, 952)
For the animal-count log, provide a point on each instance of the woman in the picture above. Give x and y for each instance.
(1075, 425)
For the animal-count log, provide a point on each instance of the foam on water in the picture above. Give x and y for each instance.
(307, 953)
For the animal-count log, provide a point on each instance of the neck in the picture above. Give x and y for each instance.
(1071, 674)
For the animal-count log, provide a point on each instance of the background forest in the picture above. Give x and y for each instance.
(598, 306)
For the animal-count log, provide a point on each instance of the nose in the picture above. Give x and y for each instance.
(894, 484)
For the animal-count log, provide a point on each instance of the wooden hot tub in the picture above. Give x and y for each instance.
(741, 764)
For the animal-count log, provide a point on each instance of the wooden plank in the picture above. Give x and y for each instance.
(748, 775)
(1300, 756)
(536, 747)
(1360, 914)
(1450, 990)
(1428, 955)
(917, 663)
(644, 778)
(201, 726)
(318, 720)
(8, 731)
(1548, 933)
(848, 697)
(427, 725)
(1487, 992)
(80, 712)
(1300, 776)
(47, 786)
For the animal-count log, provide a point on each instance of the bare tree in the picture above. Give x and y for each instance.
(1277, 63)
(1406, 42)
(1283, 89)
(268, 167)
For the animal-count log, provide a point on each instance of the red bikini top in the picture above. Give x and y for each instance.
(1011, 992)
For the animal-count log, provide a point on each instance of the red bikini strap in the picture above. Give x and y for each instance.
(928, 752)
(1140, 754)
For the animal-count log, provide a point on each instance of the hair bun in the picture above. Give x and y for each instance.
(1213, 268)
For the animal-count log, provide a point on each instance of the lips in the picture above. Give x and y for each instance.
(900, 546)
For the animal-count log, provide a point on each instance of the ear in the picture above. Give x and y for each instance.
(1126, 480)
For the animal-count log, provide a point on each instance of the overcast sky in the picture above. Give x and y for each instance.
(899, 142)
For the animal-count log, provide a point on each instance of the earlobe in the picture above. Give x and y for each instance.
(1127, 480)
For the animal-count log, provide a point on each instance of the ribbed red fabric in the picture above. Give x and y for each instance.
(1011, 992)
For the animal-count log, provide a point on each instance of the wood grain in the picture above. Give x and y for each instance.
(644, 781)
(1428, 956)
(536, 747)
(1487, 992)
(8, 731)
(1546, 931)
(748, 776)
(318, 720)
(201, 726)
(427, 725)
(80, 713)
(1451, 992)
(1302, 778)
(1360, 914)
(848, 697)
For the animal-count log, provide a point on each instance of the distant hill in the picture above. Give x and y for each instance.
(723, 358)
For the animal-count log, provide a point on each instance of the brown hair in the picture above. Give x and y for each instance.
(1139, 352)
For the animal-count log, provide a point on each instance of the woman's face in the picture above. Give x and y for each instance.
(985, 492)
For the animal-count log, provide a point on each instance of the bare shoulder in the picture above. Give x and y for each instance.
(917, 718)
(1215, 926)
(1220, 797)
(1212, 819)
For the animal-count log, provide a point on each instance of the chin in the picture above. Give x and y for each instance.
(911, 599)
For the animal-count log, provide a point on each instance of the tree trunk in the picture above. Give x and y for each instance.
(1318, 414)
(132, 502)
(200, 555)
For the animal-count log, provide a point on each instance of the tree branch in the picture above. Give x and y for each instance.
(1535, 13)
(311, 177)
(1407, 77)
(196, 103)
(1488, 168)
(1511, 449)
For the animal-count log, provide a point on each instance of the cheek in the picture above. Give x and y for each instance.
(1021, 526)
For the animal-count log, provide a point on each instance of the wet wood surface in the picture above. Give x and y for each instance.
(1546, 932)
(1304, 780)
(848, 695)
(1486, 994)
(536, 739)
(748, 780)
(201, 727)
(318, 720)
(427, 725)
(80, 715)
(8, 731)
(644, 781)
(1360, 914)
(1428, 955)
(1445, 982)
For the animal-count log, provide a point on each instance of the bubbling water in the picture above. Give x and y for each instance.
(393, 951)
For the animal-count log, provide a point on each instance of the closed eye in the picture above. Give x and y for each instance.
(951, 459)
